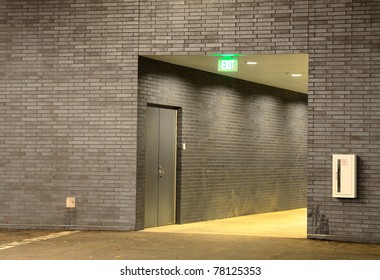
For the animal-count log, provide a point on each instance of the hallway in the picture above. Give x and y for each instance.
(283, 224)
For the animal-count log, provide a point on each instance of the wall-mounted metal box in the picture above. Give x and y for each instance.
(344, 176)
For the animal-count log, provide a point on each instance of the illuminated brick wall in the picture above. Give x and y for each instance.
(246, 144)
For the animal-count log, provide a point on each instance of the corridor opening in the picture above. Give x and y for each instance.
(242, 142)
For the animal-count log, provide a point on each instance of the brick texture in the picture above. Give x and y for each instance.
(246, 143)
(69, 100)
(67, 113)
(198, 26)
(344, 116)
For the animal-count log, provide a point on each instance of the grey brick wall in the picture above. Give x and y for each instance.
(199, 26)
(344, 116)
(246, 143)
(68, 99)
(68, 113)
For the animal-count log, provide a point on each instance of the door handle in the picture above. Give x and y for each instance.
(160, 171)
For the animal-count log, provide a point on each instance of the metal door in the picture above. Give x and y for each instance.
(161, 131)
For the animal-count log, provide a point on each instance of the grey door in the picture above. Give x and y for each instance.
(160, 176)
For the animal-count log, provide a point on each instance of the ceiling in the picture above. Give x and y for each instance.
(273, 70)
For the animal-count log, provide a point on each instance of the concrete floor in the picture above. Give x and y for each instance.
(213, 240)
(283, 224)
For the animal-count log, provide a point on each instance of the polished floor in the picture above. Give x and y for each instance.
(283, 224)
(272, 236)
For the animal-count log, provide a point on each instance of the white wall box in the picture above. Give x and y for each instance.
(344, 176)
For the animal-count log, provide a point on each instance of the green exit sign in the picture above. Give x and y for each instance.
(227, 64)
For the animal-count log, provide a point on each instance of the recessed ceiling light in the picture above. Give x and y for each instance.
(296, 75)
(251, 62)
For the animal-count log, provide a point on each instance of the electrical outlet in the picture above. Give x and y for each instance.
(70, 202)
